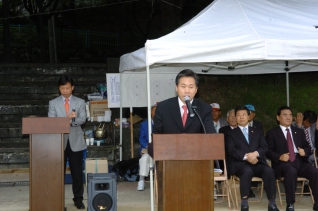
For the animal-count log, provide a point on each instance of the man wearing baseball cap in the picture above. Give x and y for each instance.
(251, 122)
(218, 121)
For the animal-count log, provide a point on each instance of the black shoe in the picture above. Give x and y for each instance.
(244, 208)
(79, 205)
(290, 207)
(272, 208)
(251, 194)
(315, 207)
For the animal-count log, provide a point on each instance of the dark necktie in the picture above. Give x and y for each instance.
(290, 146)
(185, 115)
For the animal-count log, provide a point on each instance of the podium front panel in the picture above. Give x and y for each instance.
(47, 172)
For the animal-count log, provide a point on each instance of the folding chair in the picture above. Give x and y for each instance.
(226, 189)
(302, 180)
(235, 179)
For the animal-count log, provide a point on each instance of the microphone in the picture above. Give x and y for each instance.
(73, 119)
(187, 101)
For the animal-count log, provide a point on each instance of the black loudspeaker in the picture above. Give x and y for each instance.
(101, 192)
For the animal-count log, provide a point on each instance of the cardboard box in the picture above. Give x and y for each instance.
(96, 165)
(97, 108)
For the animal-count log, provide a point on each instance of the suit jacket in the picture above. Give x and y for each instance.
(168, 118)
(312, 130)
(143, 135)
(225, 129)
(76, 135)
(258, 125)
(277, 145)
(237, 147)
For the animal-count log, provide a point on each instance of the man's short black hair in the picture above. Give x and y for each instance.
(279, 110)
(187, 73)
(64, 79)
(311, 116)
(241, 108)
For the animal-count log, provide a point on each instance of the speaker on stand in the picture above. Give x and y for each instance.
(101, 192)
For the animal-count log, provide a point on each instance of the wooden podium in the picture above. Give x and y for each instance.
(185, 170)
(46, 161)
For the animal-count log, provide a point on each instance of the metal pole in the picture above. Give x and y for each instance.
(149, 138)
(287, 87)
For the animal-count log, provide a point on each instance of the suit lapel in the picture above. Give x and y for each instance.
(72, 104)
(295, 137)
(281, 137)
(175, 109)
(240, 135)
(191, 119)
(61, 105)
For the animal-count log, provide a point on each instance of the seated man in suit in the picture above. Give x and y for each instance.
(252, 122)
(288, 151)
(231, 120)
(247, 148)
(307, 122)
(144, 161)
(218, 121)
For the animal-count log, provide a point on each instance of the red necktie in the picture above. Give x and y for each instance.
(66, 105)
(185, 115)
(290, 146)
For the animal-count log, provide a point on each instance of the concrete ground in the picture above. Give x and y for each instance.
(16, 198)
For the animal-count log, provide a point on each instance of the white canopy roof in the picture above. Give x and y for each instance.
(232, 36)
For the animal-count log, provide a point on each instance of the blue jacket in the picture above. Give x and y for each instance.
(143, 135)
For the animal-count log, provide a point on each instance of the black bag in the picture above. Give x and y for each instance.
(128, 169)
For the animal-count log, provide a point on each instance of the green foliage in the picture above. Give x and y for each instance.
(266, 92)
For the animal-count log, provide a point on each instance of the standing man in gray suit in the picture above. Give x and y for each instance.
(73, 107)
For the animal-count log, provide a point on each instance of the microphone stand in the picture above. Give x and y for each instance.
(194, 108)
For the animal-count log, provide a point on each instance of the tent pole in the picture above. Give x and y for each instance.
(149, 138)
(287, 82)
(120, 122)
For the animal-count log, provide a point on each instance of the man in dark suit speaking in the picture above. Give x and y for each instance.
(247, 148)
(289, 151)
(172, 115)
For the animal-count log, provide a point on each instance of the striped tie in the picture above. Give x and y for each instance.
(308, 139)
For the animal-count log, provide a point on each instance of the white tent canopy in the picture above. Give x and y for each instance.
(230, 31)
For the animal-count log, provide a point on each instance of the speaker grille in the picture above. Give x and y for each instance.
(102, 202)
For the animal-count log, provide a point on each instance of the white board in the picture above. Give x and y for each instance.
(134, 91)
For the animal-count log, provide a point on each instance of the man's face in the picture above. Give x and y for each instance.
(231, 119)
(186, 87)
(242, 117)
(66, 90)
(285, 118)
(216, 113)
(153, 111)
(252, 116)
(306, 123)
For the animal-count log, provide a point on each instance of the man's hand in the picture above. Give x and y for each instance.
(72, 115)
(284, 157)
(299, 119)
(252, 157)
(301, 152)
